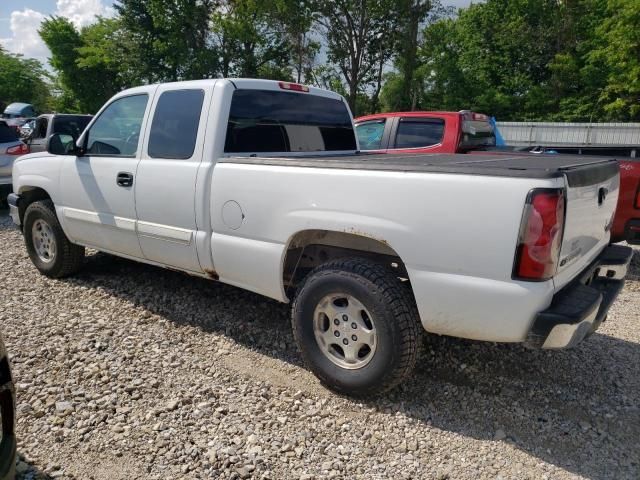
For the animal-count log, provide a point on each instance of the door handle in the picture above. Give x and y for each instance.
(124, 179)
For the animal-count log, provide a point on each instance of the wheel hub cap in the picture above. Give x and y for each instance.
(345, 331)
(44, 242)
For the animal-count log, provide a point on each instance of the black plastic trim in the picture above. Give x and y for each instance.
(587, 175)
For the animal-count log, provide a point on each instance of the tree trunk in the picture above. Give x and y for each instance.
(417, 12)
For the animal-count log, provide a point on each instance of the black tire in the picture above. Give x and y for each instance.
(68, 258)
(394, 315)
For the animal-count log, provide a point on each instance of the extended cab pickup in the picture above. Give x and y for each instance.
(472, 133)
(259, 184)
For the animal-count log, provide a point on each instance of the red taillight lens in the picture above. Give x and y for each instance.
(638, 197)
(21, 149)
(540, 235)
(295, 87)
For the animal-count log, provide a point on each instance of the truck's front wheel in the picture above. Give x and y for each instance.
(48, 247)
(356, 327)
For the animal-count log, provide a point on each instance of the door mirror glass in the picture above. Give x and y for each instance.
(61, 144)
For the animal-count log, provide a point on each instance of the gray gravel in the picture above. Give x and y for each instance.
(128, 371)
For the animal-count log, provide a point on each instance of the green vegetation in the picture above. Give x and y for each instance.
(22, 80)
(575, 60)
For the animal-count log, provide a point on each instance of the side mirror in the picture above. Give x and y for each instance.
(61, 144)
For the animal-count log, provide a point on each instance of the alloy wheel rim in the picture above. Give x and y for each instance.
(345, 331)
(44, 242)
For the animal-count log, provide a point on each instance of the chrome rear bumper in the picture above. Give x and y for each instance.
(577, 310)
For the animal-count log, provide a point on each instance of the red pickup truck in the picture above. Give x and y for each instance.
(473, 133)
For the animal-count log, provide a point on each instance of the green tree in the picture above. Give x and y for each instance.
(360, 36)
(618, 54)
(23, 80)
(167, 40)
(298, 18)
(251, 38)
(84, 85)
(493, 57)
(414, 13)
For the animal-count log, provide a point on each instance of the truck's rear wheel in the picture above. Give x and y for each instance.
(356, 327)
(48, 247)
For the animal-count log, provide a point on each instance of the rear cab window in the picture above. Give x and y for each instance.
(174, 128)
(371, 133)
(419, 132)
(272, 121)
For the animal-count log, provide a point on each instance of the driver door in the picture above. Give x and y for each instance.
(98, 199)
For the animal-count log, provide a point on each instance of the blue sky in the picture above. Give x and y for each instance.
(20, 19)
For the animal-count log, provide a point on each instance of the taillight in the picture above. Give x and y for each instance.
(540, 235)
(296, 87)
(21, 149)
(637, 204)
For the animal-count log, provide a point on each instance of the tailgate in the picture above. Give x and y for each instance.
(592, 194)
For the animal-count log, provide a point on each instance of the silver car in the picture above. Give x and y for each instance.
(11, 147)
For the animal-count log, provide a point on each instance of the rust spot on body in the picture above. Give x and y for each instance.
(360, 233)
(212, 273)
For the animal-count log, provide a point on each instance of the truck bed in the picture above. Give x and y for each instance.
(500, 165)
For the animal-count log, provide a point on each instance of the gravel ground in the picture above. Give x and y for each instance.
(129, 371)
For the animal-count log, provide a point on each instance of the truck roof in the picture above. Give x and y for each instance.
(240, 83)
(429, 113)
(520, 166)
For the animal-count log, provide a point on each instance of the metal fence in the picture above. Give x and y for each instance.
(570, 134)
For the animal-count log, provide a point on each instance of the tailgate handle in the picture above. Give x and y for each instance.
(602, 195)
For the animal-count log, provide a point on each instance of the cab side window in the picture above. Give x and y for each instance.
(419, 132)
(117, 130)
(370, 134)
(175, 124)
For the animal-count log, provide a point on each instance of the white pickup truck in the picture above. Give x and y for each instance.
(259, 184)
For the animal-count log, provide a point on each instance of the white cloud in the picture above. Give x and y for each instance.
(25, 39)
(25, 24)
(81, 12)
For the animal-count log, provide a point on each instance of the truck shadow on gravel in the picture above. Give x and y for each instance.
(576, 409)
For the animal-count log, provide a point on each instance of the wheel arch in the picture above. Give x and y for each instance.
(28, 195)
(307, 249)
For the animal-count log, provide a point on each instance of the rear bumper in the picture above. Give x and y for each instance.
(578, 309)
